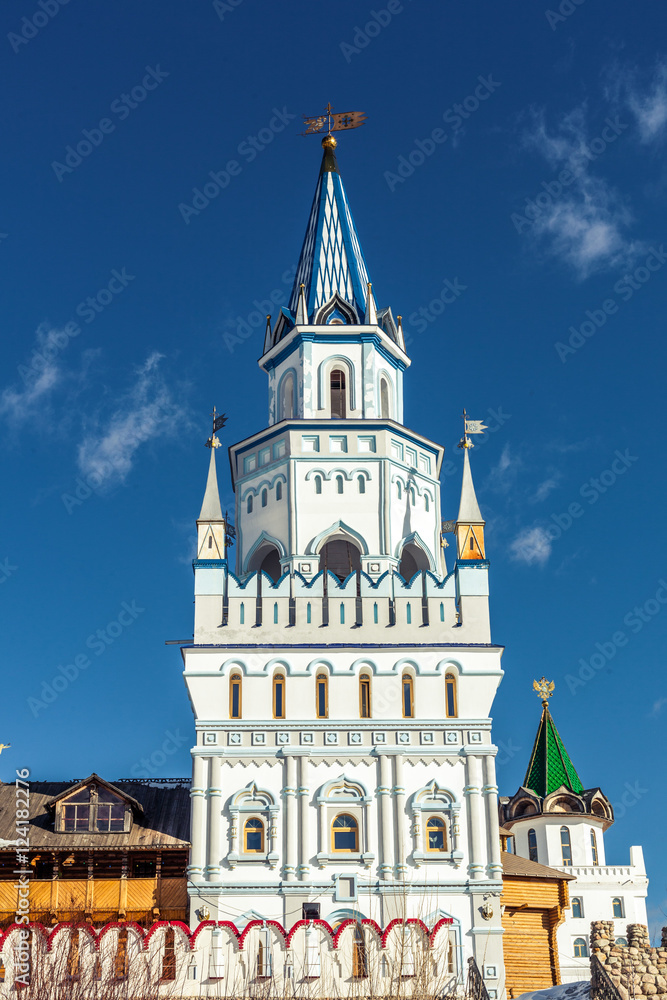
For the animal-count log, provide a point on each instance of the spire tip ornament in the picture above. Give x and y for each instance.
(219, 422)
(544, 689)
(337, 122)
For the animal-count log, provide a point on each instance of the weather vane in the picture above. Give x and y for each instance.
(330, 122)
(218, 423)
(544, 689)
(470, 427)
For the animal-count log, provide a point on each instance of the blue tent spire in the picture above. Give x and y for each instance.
(331, 260)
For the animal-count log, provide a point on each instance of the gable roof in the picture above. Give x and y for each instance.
(523, 868)
(95, 779)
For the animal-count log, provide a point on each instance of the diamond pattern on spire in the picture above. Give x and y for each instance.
(550, 765)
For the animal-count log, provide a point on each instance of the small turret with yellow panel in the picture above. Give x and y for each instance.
(469, 523)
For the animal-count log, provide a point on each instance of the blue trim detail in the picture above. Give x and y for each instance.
(302, 337)
(208, 563)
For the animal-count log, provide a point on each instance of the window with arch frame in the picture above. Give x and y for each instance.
(532, 845)
(361, 482)
(253, 836)
(279, 695)
(408, 696)
(577, 908)
(618, 908)
(318, 484)
(580, 948)
(337, 394)
(451, 707)
(594, 848)
(436, 834)
(235, 682)
(339, 484)
(384, 399)
(344, 834)
(279, 490)
(249, 504)
(364, 696)
(566, 847)
(322, 695)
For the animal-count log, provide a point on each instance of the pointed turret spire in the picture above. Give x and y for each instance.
(469, 523)
(301, 309)
(371, 314)
(550, 766)
(331, 261)
(210, 508)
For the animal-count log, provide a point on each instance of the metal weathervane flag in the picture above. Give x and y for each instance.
(475, 427)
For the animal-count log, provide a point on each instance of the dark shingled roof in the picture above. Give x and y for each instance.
(165, 822)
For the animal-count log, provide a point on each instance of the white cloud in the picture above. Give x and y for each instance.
(42, 374)
(531, 546)
(147, 410)
(503, 474)
(582, 223)
(546, 487)
(650, 106)
(658, 706)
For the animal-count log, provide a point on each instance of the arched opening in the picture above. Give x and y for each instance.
(339, 484)
(266, 559)
(322, 696)
(265, 497)
(577, 908)
(365, 696)
(340, 557)
(279, 696)
(413, 560)
(249, 503)
(408, 698)
(287, 398)
(337, 393)
(235, 696)
(617, 904)
(345, 834)
(384, 399)
(566, 847)
(361, 482)
(451, 708)
(594, 847)
(580, 948)
(253, 836)
(532, 846)
(168, 973)
(279, 490)
(318, 484)
(436, 839)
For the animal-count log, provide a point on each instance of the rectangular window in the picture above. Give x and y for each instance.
(249, 463)
(337, 444)
(110, 817)
(77, 817)
(265, 456)
(365, 697)
(280, 449)
(366, 444)
(310, 442)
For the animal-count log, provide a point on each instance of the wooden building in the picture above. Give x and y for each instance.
(99, 852)
(533, 902)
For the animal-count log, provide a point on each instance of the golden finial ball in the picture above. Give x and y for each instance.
(329, 142)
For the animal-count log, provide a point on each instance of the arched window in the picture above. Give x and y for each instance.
(287, 398)
(577, 908)
(566, 847)
(426, 503)
(359, 962)
(278, 696)
(384, 399)
(413, 496)
(399, 490)
(617, 904)
(318, 484)
(279, 490)
(249, 503)
(621, 942)
(235, 696)
(532, 845)
(345, 834)
(435, 834)
(361, 480)
(265, 497)
(339, 484)
(408, 697)
(168, 973)
(337, 392)
(594, 848)
(580, 948)
(322, 696)
(253, 836)
(451, 709)
(365, 696)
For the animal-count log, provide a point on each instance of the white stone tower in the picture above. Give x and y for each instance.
(341, 676)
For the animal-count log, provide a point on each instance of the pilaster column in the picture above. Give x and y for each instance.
(198, 814)
(303, 793)
(490, 792)
(399, 817)
(472, 792)
(384, 801)
(291, 827)
(214, 796)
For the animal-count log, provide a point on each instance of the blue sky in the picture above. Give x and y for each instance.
(517, 155)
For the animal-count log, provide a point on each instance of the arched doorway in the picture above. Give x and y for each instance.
(267, 560)
(341, 557)
(413, 560)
